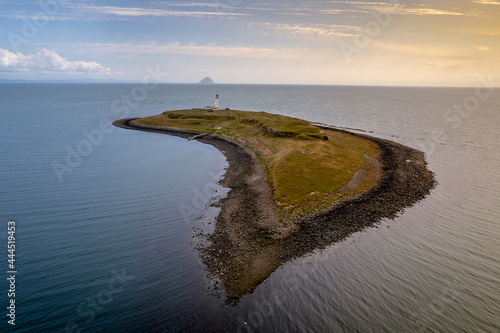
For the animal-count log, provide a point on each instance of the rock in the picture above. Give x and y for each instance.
(206, 80)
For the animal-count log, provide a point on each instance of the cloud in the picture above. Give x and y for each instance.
(483, 48)
(426, 11)
(392, 7)
(437, 56)
(39, 18)
(415, 50)
(83, 12)
(217, 51)
(206, 50)
(477, 31)
(211, 49)
(138, 12)
(46, 60)
(361, 3)
(315, 29)
(199, 4)
(487, 2)
(342, 11)
(442, 64)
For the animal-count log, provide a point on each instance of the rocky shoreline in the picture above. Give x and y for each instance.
(250, 241)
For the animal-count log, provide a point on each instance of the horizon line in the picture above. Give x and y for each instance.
(111, 81)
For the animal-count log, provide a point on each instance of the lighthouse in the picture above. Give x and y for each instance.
(216, 105)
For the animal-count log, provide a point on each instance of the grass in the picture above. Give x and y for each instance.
(306, 166)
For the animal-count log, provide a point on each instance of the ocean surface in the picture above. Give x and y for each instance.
(105, 217)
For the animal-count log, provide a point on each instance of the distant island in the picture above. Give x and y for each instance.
(295, 187)
(207, 80)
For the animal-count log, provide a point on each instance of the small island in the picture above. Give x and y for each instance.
(295, 187)
(206, 80)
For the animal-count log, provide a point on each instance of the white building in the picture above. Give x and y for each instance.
(216, 105)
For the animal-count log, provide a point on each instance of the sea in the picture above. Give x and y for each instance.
(107, 220)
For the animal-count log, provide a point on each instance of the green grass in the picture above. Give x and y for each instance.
(306, 166)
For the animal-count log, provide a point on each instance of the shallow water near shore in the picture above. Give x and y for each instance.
(133, 201)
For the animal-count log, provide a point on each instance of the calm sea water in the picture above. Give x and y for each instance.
(105, 217)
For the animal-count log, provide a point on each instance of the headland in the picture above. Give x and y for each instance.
(295, 187)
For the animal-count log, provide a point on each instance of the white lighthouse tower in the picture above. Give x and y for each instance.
(216, 105)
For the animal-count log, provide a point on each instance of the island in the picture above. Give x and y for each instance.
(207, 80)
(295, 187)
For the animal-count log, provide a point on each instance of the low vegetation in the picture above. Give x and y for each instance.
(306, 166)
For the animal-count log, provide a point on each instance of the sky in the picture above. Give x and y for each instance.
(397, 42)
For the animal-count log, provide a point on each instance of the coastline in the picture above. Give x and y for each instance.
(249, 241)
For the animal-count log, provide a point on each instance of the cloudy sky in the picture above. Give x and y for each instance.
(398, 42)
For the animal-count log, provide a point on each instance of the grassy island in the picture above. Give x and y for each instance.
(307, 168)
(295, 187)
